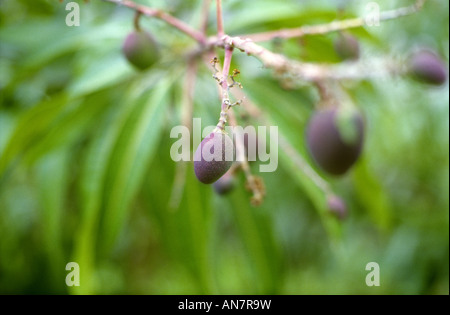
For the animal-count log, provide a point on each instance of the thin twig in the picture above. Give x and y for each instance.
(160, 14)
(224, 87)
(136, 23)
(220, 29)
(253, 182)
(205, 17)
(335, 25)
(326, 97)
(285, 33)
(304, 71)
(225, 72)
(309, 72)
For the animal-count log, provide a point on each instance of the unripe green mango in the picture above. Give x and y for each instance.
(141, 49)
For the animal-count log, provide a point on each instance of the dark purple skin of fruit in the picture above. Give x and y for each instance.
(427, 67)
(209, 171)
(337, 207)
(347, 47)
(224, 185)
(326, 145)
(141, 49)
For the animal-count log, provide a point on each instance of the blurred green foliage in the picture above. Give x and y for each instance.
(86, 175)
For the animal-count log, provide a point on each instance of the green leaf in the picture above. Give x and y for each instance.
(270, 15)
(30, 127)
(372, 195)
(78, 118)
(256, 231)
(316, 195)
(92, 182)
(196, 217)
(109, 70)
(132, 153)
(53, 181)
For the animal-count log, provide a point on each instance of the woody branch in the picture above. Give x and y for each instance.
(310, 72)
(335, 25)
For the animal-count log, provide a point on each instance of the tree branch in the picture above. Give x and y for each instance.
(204, 17)
(223, 84)
(297, 70)
(334, 26)
(310, 72)
(225, 72)
(160, 14)
(253, 182)
(220, 29)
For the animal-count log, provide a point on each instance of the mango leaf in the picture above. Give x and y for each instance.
(29, 127)
(132, 153)
(91, 185)
(372, 195)
(195, 217)
(69, 127)
(316, 195)
(109, 70)
(269, 15)
(187, 231)
(53, 181)
(256, 231)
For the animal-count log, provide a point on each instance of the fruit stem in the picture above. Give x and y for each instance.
(224, 86)
(224, 82)
(326, 98)
(222, 122)
(136, 24)
(253, 183)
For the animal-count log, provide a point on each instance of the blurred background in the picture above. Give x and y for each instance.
(86, 174)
